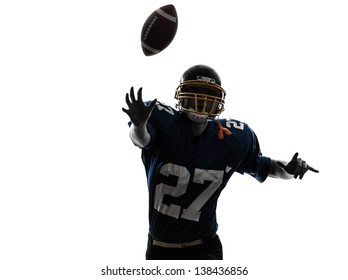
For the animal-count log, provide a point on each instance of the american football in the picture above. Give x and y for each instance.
(159, 30)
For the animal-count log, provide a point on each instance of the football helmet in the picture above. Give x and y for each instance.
(200, 94)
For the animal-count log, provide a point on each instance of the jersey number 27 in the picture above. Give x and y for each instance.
(200, 176)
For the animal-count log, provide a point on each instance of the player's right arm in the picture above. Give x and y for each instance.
(139, 114)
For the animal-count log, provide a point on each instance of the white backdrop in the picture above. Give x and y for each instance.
(73, 195)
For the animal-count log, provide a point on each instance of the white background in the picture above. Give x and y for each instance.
(73, 195)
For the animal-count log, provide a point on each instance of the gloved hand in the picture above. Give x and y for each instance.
(138, 112)
(297, 167)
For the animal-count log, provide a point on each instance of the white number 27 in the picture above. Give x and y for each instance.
(200, 176)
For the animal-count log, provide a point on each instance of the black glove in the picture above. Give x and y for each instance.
(138, 112)
(297, 167)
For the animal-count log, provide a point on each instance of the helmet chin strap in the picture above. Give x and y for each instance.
(198, 118)
(198, 124)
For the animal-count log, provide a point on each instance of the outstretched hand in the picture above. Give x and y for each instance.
(137, 111)
(297, 167)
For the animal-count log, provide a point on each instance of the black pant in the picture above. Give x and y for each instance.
(211, 249)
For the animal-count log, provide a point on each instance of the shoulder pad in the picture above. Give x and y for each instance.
(239, 130)
(233, 124)
(163, 115)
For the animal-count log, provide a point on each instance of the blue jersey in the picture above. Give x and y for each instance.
(186, 174)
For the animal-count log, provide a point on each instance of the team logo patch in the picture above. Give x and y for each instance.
(206, 79)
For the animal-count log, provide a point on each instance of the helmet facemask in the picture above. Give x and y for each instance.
(201, 99)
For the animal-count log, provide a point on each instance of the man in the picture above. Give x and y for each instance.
(189, 155)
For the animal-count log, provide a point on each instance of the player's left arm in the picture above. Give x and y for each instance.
(293, 169)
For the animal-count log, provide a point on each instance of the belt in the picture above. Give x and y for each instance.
(178, 245)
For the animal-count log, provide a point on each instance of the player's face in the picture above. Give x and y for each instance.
(202, 99)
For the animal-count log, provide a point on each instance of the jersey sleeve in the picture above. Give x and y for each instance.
(254, 163)
(159, 120)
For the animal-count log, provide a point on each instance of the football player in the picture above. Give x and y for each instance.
(189, 155)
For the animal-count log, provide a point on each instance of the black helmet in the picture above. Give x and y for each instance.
(200, 92)
(201, 72)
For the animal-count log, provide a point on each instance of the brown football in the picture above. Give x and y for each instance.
(159, 30)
